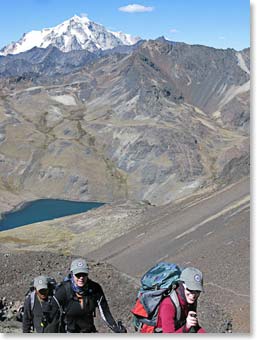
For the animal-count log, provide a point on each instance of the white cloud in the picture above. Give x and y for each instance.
(222, 38)
(174, 30)
(135, 8)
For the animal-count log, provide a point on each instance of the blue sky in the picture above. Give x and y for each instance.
(216, 23)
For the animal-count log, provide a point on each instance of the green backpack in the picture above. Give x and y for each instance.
(158, 282)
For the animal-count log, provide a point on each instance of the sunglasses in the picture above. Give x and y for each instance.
(43, 291)
(193, 291)
(78, 275)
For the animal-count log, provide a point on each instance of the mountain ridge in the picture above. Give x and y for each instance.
(154, 123)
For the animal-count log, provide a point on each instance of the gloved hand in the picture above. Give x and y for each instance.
(119, 328)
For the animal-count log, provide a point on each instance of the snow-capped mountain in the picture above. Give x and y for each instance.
(77, 33)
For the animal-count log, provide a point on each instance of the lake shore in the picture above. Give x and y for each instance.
(43, 210)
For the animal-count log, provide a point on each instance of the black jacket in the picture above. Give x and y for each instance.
(80, 311)
(34, 317)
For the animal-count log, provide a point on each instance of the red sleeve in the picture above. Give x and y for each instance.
(167, 317)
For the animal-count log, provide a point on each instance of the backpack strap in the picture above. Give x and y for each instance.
(68, 290)
(32, 300)
(61, 314)
(57, 302)
(175, 300)
(68, 295)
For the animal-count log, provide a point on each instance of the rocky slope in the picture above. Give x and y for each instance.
(20, 269)
(154, 123)
(136, 127)
(220, 247)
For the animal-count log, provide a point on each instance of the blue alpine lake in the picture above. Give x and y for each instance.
(43, 210)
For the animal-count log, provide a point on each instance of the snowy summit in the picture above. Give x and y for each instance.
(77, 33)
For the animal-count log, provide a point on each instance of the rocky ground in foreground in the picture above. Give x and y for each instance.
(120, 289)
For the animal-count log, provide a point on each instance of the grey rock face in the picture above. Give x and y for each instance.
(154, 123)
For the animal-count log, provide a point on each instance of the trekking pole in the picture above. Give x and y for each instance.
(229, 327)
(193, 328)
(121, 326)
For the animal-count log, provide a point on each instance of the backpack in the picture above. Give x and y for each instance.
(158, 282)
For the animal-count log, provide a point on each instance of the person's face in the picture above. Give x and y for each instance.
(43, 293)
(191, 295)
(80, 279)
